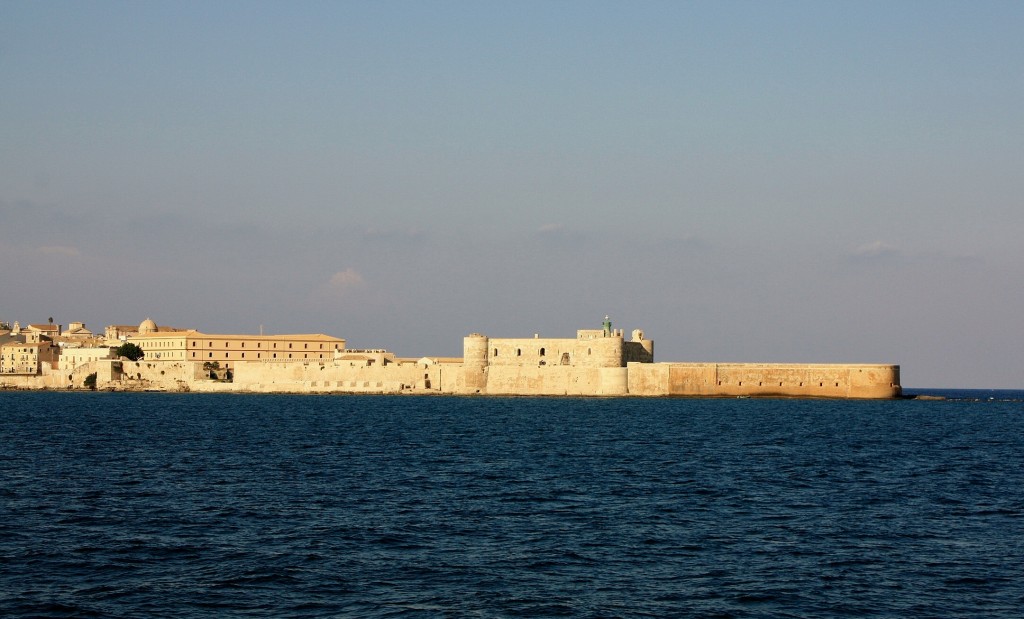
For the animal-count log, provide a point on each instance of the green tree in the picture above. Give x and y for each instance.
(90, 381)
(129, 351)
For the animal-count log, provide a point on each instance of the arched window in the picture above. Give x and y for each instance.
(541, 352)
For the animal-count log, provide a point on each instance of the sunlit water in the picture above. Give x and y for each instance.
(133, 505)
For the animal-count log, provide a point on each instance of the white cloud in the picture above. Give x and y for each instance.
(343, 281)
(337, 288)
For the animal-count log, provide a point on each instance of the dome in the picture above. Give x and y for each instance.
(147, 326)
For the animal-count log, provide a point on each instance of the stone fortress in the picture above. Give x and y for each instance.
(597, 362)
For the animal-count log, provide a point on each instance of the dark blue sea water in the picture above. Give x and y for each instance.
(138, 505)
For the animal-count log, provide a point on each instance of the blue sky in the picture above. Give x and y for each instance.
(746, 181)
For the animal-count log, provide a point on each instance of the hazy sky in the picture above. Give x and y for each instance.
(746, 181)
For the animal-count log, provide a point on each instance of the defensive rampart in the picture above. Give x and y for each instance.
(765, 380)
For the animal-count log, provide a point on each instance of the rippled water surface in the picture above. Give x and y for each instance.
(132, 505)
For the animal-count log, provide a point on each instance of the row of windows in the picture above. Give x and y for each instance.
(258, 345)
(195, 344)
(519, 352)
(542, 352)
(258, 355)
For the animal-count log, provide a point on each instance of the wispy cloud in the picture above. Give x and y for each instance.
(559, 233)
(59, 250)
(876, 250)
(684, 241)
(392, 233)
(346, 280)
(339, 288)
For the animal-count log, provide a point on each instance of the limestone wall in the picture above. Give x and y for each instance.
(581, 353)
(50, 378)
(425, 376)
(340, 376)
(540, 380)
(152, 375)
(768, 379)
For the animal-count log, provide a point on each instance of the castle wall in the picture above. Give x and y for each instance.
(765, 379)
(48, 378)
(638, 352)
(340, 376)
(153, 375)
(637, 379)
(581, 353)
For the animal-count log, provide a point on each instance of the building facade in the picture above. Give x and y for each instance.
(228, 350)
(27, 357)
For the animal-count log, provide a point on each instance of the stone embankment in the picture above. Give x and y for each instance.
(453, 378)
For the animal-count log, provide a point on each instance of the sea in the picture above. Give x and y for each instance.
(192, 505)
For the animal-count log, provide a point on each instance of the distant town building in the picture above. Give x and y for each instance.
(72, 357)
(76, 331)
(27, 357)
(116, 335)
(48, 330)
(229, 349)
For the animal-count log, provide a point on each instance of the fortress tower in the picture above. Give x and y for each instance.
(474, 353)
